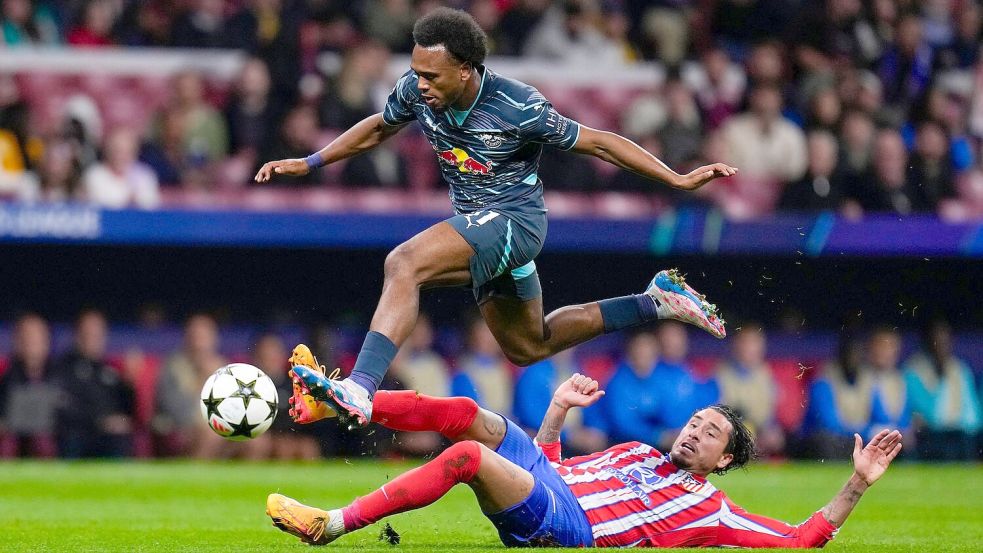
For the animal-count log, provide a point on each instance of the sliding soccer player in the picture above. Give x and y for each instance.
(628, 495)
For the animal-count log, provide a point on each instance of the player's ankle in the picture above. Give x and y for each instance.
(336, 523)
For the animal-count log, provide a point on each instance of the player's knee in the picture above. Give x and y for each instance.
(462, 459)
(524, 354)
(400, 263)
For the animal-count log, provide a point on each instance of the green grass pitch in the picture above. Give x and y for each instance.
(192, 506)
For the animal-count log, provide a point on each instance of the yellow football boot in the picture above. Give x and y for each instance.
(312, 525)
(304, 409)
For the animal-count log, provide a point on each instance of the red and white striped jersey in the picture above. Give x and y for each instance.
(634, 496)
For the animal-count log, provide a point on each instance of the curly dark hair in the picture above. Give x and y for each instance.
(740, 443)
(456, 30)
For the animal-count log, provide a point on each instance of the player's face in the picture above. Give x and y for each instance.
(442, 79)
(700, 446)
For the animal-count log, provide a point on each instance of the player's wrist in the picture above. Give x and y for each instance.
(859, 483)
(560, 403)
(314, 161)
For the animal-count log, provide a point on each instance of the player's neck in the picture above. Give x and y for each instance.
(471, 90)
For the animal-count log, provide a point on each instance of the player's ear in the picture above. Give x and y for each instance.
(725, 460)
(466, 69)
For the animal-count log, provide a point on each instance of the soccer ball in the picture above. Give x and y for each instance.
(239, 402)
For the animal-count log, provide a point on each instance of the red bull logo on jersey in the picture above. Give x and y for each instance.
(464, 162)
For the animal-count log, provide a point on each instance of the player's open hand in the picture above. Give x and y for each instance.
(291, 167)
(578, 391)
(870, 462)
(702, 175)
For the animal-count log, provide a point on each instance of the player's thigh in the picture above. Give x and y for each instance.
(500, 483)
(518, 325)
(437, 256)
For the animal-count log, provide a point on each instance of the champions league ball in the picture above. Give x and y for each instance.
(239, 402)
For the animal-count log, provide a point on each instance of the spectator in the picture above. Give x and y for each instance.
(390, 22)
(769, 150)
(840, 403)
(719, 85)
(166, 153)
(677, 381)
(537, 381)
(121, 180)
(890, 407)
(568, 32)
(857, 135)
(25, 24)
(205, 138)
(298, 137)
(825, 110)
(906, 68)
(418, 367)
(146, 23)
(746, 384)
(931, 177)
(518, 23)
(252, 116)
(483, 373)
(946, 410)
(270, 30)
(201, 26)
(96, 25)
(177, 417)
(633, 404)
(888, 190)
(355, 92)
(963, 48)
(15, 181)
(97, 421)
(824, 185)
(29, 397)
(423, 369)
(827, 33)
(285, 440)
(682, 134)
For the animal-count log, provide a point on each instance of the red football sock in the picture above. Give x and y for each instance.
(416, 488)
(413, 412)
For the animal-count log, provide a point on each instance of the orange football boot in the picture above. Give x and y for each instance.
(304, 409)
(312, 525)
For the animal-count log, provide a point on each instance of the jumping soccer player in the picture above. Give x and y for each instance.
(488, 133)
(628, 495)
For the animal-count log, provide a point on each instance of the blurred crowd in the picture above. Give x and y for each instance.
(91, 402)
(844, 105)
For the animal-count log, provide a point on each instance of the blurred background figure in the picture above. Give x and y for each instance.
(635, 396)
(684, 391)
(890, 407)
(580, 433)
(747, 384)
(120, 180)
(483, 373)
(284, 440)
(418, 367)
(840, 402)
(252, 115)
(29, 394)
(177, 418)
(97, 419)
(946, 410)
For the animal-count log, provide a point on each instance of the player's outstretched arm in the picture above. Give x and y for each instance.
(576, 391)
(365, 135)
(624, 153)
(869, 464)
